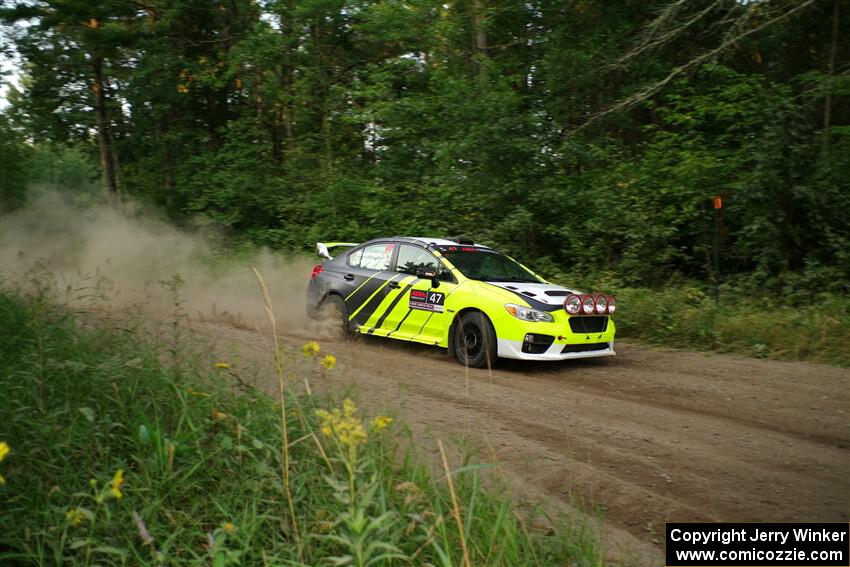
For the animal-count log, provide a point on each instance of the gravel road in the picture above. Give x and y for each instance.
(646, 437)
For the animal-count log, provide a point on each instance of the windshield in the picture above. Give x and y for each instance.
(488, 266)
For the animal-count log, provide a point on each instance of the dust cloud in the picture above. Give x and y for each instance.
(99, 258)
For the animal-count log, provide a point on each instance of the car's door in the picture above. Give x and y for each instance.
(418, 312)
(368, 274)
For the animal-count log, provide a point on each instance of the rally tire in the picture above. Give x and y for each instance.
(334, 312)
(474, 340)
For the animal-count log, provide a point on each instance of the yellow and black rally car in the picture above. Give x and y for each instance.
(459, 295)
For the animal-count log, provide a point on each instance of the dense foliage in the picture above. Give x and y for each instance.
(584, 136)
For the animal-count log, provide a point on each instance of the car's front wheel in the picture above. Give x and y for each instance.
(475, 340)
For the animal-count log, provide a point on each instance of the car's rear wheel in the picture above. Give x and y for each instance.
(475, 340)
(333, 315)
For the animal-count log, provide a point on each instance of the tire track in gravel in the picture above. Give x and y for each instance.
(648, 436)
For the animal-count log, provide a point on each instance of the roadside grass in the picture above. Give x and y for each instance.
(126, 451)
(815, 330)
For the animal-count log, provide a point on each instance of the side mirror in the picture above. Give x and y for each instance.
(428, 273)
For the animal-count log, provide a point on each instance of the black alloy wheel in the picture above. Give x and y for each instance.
(475, 340)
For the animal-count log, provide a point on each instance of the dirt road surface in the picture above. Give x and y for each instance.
(647, 437)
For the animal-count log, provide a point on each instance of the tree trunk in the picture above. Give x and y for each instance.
(478, 26)
(286, 80)
(479, 31)
(830, 69)
(104, 140)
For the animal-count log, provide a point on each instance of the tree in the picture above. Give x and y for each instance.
(85, 41)
(13, 178)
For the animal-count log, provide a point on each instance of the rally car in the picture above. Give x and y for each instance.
(454, 293)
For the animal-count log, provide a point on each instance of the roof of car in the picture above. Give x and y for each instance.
(430, 240)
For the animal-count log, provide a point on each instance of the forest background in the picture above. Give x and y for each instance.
(593, 140)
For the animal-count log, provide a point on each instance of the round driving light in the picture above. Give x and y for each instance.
(601, 304)
(612, 304)
(572, 304)
(587, 304)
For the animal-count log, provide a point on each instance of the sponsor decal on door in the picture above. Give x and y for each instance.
(427, 300)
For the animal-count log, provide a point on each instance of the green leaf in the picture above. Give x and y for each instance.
(109, 550)
(78, 543)
(144, 435)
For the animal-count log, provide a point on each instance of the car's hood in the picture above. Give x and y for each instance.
(545, 293)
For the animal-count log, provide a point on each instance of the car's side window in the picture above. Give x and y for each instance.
(354, 258)
(373, 257)
(411, 258)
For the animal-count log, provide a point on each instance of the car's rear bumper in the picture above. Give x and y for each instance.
(513, 349)
(314, 299)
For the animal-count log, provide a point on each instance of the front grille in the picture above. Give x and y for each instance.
(585, 347)
(593, 324)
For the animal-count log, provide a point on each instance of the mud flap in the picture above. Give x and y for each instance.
(451, 350)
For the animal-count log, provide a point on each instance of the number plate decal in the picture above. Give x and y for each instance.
(427, 300)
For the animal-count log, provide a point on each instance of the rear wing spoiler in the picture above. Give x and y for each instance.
(323, 248)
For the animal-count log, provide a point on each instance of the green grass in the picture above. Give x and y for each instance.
(815, 329)
(202, 468)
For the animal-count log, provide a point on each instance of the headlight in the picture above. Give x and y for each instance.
(612, 304)
(528, 314)
(572, 304)
(588, 304)
(601, 304)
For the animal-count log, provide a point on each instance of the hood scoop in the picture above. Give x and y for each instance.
(548, 295)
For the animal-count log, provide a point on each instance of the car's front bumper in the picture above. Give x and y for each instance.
(563, 339)
(513, 349)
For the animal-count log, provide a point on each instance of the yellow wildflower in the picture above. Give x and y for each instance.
(380, 423)
(117, 481)
(4, 450)
(329, 361)
(348, 407)
(75, 517)
(343, 425)
(221, 365)
(229, 528)
(311, 348)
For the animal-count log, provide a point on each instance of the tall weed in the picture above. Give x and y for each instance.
(121, 453)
